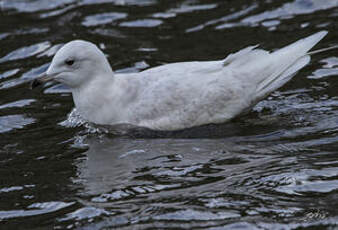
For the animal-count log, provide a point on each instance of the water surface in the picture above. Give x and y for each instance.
(275, 168)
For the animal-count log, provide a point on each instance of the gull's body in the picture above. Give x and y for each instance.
(179, 95)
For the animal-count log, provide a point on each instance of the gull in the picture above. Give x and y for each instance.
(178, 95)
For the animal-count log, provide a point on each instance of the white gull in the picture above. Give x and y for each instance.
(179, 95)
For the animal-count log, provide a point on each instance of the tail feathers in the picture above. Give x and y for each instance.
(270, 71)
(286, 62)
(272, 84)
(302, 46)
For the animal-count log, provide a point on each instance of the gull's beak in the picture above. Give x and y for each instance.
(41, 79)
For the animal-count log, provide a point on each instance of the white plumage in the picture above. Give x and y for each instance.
(179, 95)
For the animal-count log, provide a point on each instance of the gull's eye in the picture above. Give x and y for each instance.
(69, 62)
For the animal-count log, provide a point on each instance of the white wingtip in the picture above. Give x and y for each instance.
(302, 46)
(315, 38)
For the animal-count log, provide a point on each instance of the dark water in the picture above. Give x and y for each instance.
(276, 168)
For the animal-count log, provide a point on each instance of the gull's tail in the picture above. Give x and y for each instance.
(270, 71)
(284, 63)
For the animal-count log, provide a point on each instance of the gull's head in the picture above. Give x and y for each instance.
(77, 63)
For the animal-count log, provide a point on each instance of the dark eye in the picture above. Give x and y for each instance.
(69, 62)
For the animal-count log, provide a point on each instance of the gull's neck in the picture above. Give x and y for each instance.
(91, 98)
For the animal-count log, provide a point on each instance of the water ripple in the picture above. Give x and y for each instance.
(100, 19)
(286, 11)
(35, 209)
(11, 122)
(25, 52)
(142, 23)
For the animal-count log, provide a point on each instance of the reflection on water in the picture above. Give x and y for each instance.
(275, 168)
(201, 179)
